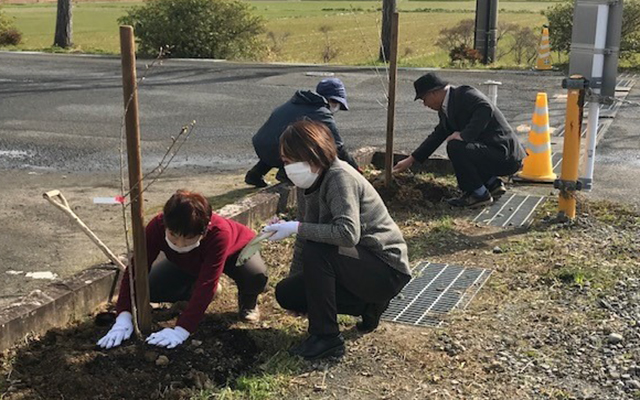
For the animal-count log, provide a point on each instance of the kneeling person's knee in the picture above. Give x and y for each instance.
(455, 147)
(290, 294)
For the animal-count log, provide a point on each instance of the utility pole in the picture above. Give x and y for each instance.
(388, 8)
(64, 33)
(132, 125)
(486, 29)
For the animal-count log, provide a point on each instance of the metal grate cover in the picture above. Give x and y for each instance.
(510, 211)
(435, 290)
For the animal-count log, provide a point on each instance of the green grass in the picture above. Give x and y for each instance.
(355, 36)
(354, 27)
(95, 27)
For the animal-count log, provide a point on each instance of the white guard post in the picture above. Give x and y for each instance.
(492, 91)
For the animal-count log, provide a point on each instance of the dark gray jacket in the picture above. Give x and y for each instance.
(478, 121)
(346, 211)
(303, 104)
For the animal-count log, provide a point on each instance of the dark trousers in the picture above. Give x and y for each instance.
(261, 169)
(168, 283)
(475, 163)
(334, 281)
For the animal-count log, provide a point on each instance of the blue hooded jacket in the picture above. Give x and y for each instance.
(303, 104)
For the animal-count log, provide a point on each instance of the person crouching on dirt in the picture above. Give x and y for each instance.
(351, 255)
(199, 246)
(329, 97)
(480, 143)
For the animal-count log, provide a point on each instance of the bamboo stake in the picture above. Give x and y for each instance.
(141, 278)
(57, 199)
(391, 109)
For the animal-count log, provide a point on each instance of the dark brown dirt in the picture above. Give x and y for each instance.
(65, 364)
(410, 191)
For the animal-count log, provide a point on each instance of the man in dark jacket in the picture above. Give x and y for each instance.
(321, 105)
(480, 143)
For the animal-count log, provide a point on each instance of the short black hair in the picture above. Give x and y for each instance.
(187, 213)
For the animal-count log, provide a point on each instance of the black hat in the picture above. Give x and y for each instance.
(427, 83)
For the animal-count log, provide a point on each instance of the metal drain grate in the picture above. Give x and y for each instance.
(510, 211)
(435, 290)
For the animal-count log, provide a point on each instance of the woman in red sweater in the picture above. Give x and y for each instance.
(199, 246)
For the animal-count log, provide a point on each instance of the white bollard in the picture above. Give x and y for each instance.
(493, 91)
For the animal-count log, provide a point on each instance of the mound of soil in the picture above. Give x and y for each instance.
(410, 191)
(66, 364)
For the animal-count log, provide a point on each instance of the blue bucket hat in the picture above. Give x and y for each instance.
(333, 89)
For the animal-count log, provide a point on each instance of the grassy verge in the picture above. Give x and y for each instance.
(539, 329)
(353, 28)
(545, 279)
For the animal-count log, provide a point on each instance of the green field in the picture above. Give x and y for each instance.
(354, 27)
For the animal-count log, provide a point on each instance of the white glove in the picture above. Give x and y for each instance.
(169, 337)
(121, 330)
(282, 229)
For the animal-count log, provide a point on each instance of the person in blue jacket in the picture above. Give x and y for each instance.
(320, 105)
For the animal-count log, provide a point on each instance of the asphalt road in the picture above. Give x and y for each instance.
(60, 124)
(63, 113)
(617, 161)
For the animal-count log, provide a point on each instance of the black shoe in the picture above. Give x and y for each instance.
(497, 188)
(315, 347)
(281, 176)
(371, 317)
(253, 179)
(470, 200)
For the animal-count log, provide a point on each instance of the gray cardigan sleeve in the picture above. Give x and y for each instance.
(342, 196)
(296, 263)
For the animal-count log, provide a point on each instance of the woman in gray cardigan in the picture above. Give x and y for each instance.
(350, 256)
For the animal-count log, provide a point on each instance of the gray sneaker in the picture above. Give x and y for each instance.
(248, 310)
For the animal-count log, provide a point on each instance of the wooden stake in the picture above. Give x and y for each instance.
(141, 273)
(391, 108)
(58, 200)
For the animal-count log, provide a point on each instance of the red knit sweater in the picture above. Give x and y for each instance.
(224, 238)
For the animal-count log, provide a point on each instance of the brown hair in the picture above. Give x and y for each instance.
(308, 141)
(187, 213)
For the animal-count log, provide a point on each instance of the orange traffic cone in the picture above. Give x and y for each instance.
(543, 62)
(537, 165)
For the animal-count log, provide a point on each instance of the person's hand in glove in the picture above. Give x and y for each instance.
(169, 337)
(282, 229)
(121, 330)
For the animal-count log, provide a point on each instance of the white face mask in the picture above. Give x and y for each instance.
(300, 174)
(181, 250)
(334, 108)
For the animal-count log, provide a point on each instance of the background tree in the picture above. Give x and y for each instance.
(524, 46)
(63, 34)
(9, 35)
(560, 19)
(329, 52)
(458, 36)
(197, 28)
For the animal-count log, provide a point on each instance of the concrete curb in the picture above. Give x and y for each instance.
(62, 302)
(65, 301)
